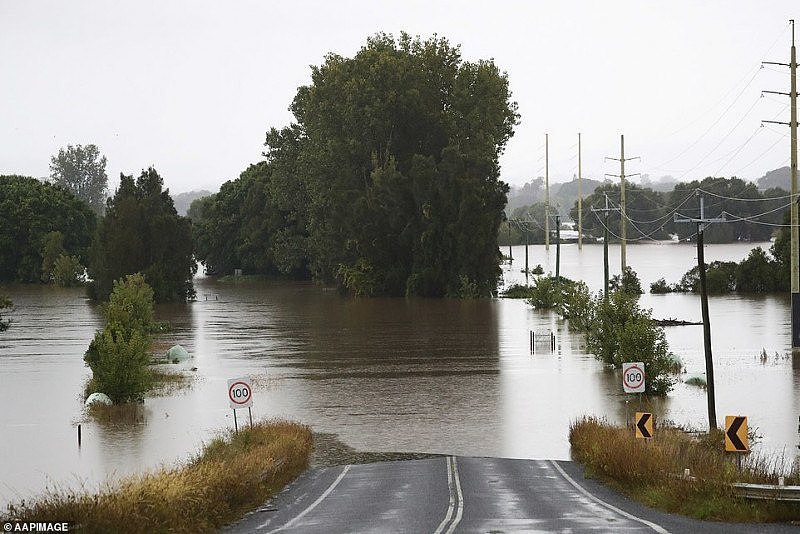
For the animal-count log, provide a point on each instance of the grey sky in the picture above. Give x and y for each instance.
(191, 87)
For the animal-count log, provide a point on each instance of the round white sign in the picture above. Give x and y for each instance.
(633, 377)
(240, 393)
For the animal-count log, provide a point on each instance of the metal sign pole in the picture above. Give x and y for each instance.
(250, 412)
(235, 423)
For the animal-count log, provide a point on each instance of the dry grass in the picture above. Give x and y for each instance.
(648, 471)
(232, 475)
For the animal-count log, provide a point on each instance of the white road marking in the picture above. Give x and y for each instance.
(657, 528)
(460, 496)
(313, 505)
(456, 499)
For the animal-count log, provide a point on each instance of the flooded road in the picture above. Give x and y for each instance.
(407, 375)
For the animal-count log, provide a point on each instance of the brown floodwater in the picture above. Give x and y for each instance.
(405, 375)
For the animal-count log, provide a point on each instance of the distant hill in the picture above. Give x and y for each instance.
(530, 193)
(562, 195)
(567, 194)
(184, 200)
(778, 178)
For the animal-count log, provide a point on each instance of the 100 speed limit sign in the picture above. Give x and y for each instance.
(240, 393)
(633, 377)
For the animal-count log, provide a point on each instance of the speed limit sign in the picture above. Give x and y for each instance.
(633, 377)
(240, 393)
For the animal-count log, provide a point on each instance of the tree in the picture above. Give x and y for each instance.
(52, 248)
(620, 331)
(118, 355)
(399, 151)
(29, 210)
(82, 170)
(629, 282)
(143, 233)
(387, 184)
(5, 303)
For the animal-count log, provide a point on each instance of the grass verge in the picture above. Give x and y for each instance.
(648, 471)
(231, 475)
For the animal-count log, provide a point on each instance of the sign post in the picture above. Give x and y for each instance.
(240, 395)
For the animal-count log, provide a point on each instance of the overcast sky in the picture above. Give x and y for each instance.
(191, 87)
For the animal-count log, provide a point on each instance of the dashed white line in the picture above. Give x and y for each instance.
(313, 505)
(657, 528)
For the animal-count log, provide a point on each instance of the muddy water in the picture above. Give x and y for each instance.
(408, 375)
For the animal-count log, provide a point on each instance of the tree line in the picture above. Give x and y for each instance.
(752, 214)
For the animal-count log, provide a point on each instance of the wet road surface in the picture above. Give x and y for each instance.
(462, 494)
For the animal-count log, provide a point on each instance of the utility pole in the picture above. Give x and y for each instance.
(605, 245)
(623, 221)
(795, 247)
(580, 197)
(701, 265)
(546, 193)
(558, 248)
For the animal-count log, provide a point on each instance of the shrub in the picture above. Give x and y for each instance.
(628, 282)
(620, 331)
(544, 293)
(518, 291)
(118, 355)
(660, 286)
(757, 273)
(67, 271)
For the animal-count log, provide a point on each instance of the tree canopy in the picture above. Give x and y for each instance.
(82, 170)
(29, 210)
(387, 184)
(143, 233)
(751, 213)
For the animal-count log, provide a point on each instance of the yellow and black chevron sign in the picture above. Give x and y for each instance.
(644, 425)
(736, 434)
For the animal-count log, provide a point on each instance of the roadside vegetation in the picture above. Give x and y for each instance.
(231, 475)
(652, 471)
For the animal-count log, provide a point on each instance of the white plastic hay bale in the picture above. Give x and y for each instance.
(177, 354)
(97, 398)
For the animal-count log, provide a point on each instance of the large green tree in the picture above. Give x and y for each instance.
(142, 232)
(400, 148)
(29, 210)
(82, 170)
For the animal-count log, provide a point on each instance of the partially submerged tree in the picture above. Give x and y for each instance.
(118, 355)
(82, 170)
(29, 211)
(142, 232)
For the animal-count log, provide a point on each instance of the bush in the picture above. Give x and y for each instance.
(67, 271)
(118, 355)
(518, 291)
(619, 331)
(757, 273)
(628, 282)
(544, 293)
(660, 286)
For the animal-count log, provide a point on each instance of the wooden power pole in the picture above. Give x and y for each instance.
(580, 197)
(794, 234)
(701, 265)
(546, 193)
(623, 221)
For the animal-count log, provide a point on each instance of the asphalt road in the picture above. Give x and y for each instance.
(456, 494)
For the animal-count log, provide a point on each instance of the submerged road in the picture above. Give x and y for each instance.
(456, 494)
